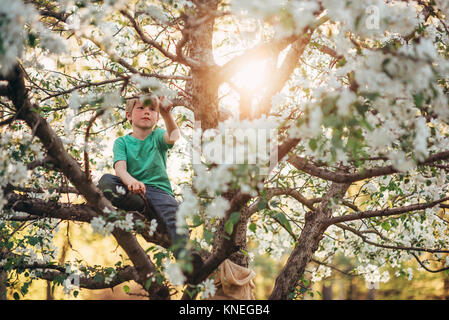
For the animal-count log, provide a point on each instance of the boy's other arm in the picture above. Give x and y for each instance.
(172, 133)
(131, 183)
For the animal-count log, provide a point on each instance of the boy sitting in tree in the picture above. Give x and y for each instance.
(140, 166)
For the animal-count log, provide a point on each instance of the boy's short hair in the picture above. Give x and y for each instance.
(131, 103)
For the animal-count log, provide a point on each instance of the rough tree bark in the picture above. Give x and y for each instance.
(311, 235)
(205, 82)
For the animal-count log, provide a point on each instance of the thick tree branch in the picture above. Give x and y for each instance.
(50, 272)
(280, 77)
(385, 212)
(50, 209)
(38, 208)
(47, 162)
(227, 244)
(306, 166)
(307, 243)
(361, 235)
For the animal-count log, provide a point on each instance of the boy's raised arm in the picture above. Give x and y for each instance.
(172, 133)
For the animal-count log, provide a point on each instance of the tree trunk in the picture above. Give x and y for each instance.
(371, 295)
(351, 294)
(327, 292)
(205, 81)
(307, 244)
(296, 264)
(446, 288)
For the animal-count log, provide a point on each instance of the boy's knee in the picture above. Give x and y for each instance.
(108, 181)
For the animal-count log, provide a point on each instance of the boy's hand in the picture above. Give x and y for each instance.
(136, 187)
(165, 106)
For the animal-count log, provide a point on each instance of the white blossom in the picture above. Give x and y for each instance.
(120, 190)
(153, 227)
(208, 288)
(174, 273)
(218, 207)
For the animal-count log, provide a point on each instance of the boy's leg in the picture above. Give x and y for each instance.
(129, 201)
(164, 206)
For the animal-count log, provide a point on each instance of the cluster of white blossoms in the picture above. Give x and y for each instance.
(14, 35)
(101, 226)
(239, 142)
(218, 207)
(208, 288)
(14, 16)
(89, 13)
(372, 274)
(13, 170)
(226, 157)
(372, 18)
(153, 227)
(72, 282)
(271, 238)
(174, 273)
(320, 273)
(110, 276)
(157, 87)
(40, 248)
(109, 101)
(189, 207)
(420, 229)
(296, 15)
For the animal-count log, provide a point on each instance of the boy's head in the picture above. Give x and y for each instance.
(143, 111)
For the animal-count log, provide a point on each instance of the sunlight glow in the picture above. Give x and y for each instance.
(251, 76)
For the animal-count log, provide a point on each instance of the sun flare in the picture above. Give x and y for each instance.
(251, 76)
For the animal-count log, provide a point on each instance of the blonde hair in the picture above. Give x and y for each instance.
(131, 103)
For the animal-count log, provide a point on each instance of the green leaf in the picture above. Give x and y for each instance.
(262, 203)
(197, 221)
(32, 39)
(147, 284)
(274, 203)
(126, 289)
(98, 278)
(208, 236)
(233, 219)
(386, 225)
(284, 221)
(419, 100)
(229, 227)
(252, 227)
(313, 144)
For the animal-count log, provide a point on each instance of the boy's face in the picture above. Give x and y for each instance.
(144, 115)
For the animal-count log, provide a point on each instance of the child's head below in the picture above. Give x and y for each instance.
(143, 111)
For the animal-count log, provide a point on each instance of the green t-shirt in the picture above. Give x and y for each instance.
(145, 159)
